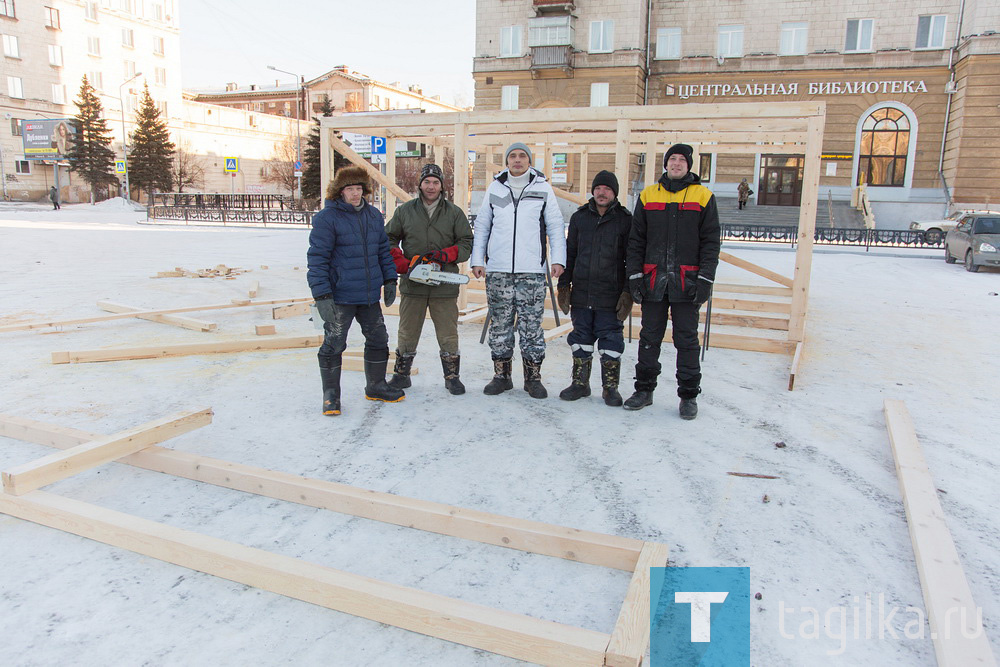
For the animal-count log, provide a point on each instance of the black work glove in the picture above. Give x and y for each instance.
(389, 293)
(624, 307)
(563, 293)
(326, 307)
(635, 287)
(704, 291)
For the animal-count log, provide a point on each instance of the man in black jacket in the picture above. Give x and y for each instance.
(593, 288)
(673, 251)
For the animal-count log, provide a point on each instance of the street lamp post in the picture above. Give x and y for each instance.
(298, 133)
(121, 98)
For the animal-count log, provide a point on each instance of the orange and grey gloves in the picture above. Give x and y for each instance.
(389, 293)
(327, 309)
(624, 307)
(443, 256)
(704, 290)
(563, 293)
(402, 264)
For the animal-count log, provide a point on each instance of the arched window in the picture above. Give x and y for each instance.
(885, 144)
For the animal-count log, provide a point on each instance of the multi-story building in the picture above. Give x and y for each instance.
(911, 89)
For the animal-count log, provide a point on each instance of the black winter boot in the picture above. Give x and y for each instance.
(645, 383)
(610, 372)
(329, 373)
(401, 371)
(689, 404)
(501, 381)
(450, 363)
(580, 386)
(533, 378)
(376, 388)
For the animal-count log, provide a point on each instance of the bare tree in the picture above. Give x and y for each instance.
(280, 168)
(408, 171)
(188, 170)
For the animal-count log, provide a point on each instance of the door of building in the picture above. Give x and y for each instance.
(780, 181)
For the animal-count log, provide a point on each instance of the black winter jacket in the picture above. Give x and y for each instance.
(595, 256)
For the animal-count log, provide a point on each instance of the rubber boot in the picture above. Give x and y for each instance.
(501, 381)
(688, 407)
(610, 372)
(376, 388)
(450, 364)
(401, 371)
(533, 378)
(329, 373)
(580, 386)
(645, 383)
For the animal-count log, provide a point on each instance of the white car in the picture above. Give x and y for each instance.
(934, 230)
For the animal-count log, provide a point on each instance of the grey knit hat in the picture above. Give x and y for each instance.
(431, 171)
(516, 145)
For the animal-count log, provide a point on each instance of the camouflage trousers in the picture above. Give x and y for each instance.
(516, 297)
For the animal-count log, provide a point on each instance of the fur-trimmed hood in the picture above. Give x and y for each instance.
(349, 176)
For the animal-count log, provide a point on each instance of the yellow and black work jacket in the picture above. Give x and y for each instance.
(675, 238)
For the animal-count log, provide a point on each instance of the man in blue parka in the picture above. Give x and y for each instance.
(349, 268)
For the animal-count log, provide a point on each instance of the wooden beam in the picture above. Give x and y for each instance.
(796, 360)
(753, 268)
(532, 536)
(461, 162)
(54, 467)
(186, 349)
(585, 179)
(376, 175)
(807, 229)
(325, 159)
(622, 140)
(175, 320)
(747, 343)
(254, 288)
(630, 638)
(650, 176)
(474, 316)
(294, 310)
(265, 330)
(494, 630)
(749, 289)
(390, 174)
(755, 306)
(139, 313)
(956, 627)
(559, 331)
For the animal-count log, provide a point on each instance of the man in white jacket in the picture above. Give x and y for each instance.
(519, 211)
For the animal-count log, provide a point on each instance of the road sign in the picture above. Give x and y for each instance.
(119, 166)
(298, 165)
(378, 146)
(232, 165)
(298, 174)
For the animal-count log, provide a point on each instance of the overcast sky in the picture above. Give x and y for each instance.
(426, 42)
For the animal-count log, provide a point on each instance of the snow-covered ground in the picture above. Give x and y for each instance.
(884, 324)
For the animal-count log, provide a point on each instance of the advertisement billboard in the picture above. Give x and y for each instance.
(47, 138)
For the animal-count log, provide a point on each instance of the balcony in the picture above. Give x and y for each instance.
(553, 6)
(551, 61)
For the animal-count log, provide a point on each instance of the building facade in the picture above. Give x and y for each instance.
(912, 90)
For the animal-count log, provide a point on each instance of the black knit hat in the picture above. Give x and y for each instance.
(605, 178)
(431, 170)
(684, 150)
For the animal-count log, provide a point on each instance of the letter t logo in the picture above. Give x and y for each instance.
(701, 611)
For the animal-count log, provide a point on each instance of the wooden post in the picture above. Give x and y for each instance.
(547, 159)
(585, 178)
(325, 160)
(622, 138)
(390, 173)
(650, 176)
(807, 229)
(461, 175)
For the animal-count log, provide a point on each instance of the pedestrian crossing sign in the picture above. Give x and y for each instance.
(119, 166)
(232, 165)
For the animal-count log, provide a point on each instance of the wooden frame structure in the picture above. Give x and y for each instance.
(791, 128)
(493, 630)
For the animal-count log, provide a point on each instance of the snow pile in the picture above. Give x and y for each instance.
(119, 204)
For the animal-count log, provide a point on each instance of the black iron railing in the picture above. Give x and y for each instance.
(222, 200)
(189, 214)
(882, 238)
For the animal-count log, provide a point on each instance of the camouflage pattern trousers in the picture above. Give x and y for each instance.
(516, 297)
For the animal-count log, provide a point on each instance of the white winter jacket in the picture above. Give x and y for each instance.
(509, 236)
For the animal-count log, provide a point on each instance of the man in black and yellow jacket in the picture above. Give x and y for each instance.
(673, 251)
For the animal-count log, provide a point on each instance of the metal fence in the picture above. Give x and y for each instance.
(263, 216)
(844, 236)
(222, 200)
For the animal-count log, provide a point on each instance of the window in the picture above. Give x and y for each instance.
(705, 167)
(14, 88)
(94, 46)
(125, 5)
(15, 127)
(885, 143)
(58, 93)
(161, 76)
(550, 31)
(129, 69)
(668, 43)
(730, 41)
(131, 103)
(930, 31)
(859, 35)
(162, 106)
(22, 166)
(508, 97)
(158, 46)
(158, 12)
(599, 94)
(96, 79)
(7, 8)
(510, 41)
(55, 55)
(793, 38)
(128, 37)
(91, 11)
(10, 47)
(602, 36)
(52, 18)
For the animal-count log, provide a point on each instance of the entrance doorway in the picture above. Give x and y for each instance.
(780, 180)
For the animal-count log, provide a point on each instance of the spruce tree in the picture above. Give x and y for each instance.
(91, 156)
(311, 186)
(151, 157)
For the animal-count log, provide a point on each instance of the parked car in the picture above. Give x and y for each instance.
(934, 230)
(975, 240)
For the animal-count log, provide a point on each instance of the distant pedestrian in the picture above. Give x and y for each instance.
(744, 193)
(54, 198)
